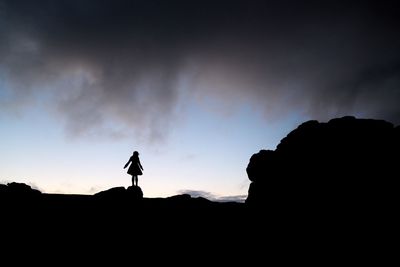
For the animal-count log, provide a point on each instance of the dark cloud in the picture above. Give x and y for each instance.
(123, 66)
(235, 198)
(213, 197)
(197, 193)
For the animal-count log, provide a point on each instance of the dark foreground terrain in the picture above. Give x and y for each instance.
(329, 191)
(117, 207)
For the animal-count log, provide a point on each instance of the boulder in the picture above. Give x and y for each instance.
(344, 163)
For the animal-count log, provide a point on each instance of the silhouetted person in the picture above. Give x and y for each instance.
(136, 167)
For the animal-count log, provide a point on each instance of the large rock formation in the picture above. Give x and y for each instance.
(347, 164)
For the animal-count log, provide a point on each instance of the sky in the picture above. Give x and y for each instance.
(196, 87)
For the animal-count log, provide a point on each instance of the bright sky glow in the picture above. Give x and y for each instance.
(205, 151)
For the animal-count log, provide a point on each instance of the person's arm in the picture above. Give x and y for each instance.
(140, 165)
(126, 165)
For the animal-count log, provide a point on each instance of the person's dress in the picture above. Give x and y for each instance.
(134, 169)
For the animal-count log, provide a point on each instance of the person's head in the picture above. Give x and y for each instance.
(136, 154)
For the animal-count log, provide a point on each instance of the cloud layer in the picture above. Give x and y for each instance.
(131, 66)
(213, 197)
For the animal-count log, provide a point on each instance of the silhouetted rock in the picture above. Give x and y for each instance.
(345, 165)
(18, 191)
(3, 188)
(112, 193)
(19, 197)
(22, 189)
(261, 164)
(121, 195)
(135, 192)
(179, 198)
(186, 199)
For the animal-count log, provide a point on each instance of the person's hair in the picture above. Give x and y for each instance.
(135, 153)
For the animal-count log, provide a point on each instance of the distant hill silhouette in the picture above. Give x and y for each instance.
(346, 165)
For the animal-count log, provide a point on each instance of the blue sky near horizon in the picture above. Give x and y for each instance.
(206, 152)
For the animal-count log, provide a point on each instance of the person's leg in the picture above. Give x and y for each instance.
(133, 180)
(136, 179)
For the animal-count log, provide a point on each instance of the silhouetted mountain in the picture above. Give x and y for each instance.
(344, 166)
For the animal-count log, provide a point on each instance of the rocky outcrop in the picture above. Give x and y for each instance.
(134, 193)
(18, 196)
(18, 189)
(346, 163)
